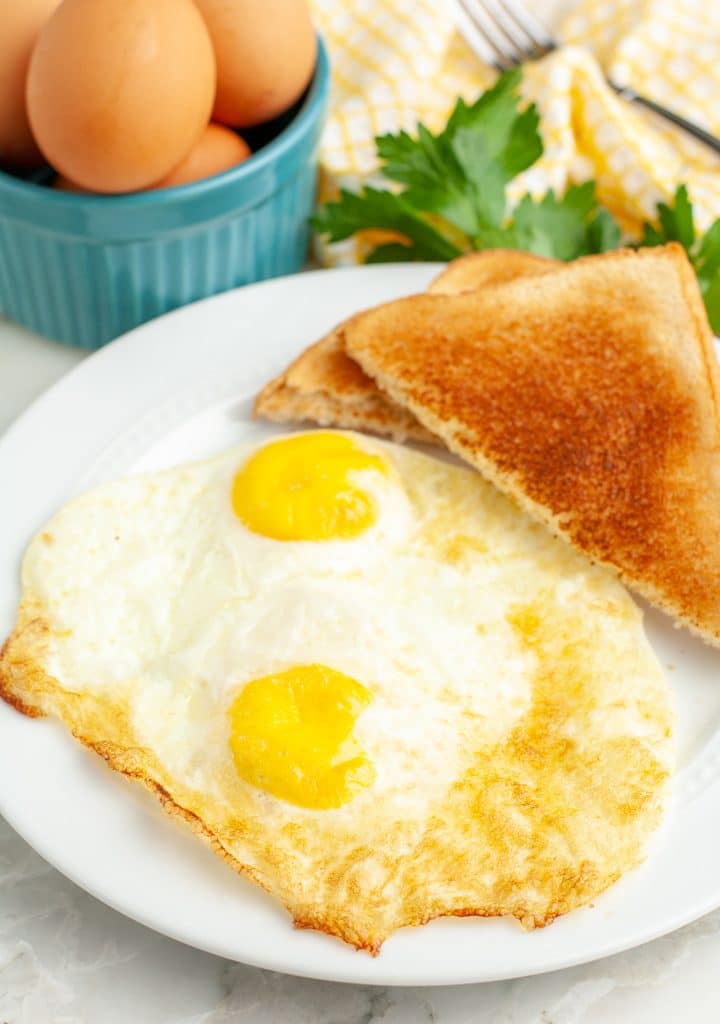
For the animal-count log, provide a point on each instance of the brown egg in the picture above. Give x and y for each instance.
(218, 149)
(119, 91)
(265, 51)
(20, 24)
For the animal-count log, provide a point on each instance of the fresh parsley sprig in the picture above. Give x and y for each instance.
(448, 191)
(447, 195)
(677, 224)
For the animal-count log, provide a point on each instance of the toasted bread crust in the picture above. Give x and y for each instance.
(591, 397)
(492, 266)
(323, 385)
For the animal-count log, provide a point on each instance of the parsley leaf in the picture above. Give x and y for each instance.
(603, 232)
(452, 189)
(447, 196)
(711, 296)
(707, 258)
(380, 208)
(459, 175)
(676, 224)
(561, 228)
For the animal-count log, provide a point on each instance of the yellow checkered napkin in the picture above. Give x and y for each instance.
(399, 61)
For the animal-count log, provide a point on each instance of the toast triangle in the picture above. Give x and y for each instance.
(323, 385)
(590, 396)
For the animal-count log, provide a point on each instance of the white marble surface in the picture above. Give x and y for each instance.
(66, 958)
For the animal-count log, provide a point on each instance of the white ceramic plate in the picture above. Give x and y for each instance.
(181, 388)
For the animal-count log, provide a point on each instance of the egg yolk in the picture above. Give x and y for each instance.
(303, 488)
(290, 734)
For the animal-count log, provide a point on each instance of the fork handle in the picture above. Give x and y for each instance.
(692, 129)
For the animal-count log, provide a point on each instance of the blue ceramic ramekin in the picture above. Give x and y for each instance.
(84, 269)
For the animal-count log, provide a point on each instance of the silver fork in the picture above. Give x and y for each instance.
(503, 34)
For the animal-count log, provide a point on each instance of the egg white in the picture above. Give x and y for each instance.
(518, 767)
(158, 590)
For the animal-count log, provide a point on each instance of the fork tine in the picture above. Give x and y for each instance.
(523, 45)
(526, 21)
(474, 37)
(485, 37)
(502, 32)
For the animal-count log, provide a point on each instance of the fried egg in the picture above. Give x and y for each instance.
(367, 678)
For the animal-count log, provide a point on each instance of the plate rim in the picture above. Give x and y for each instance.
(359, 971)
